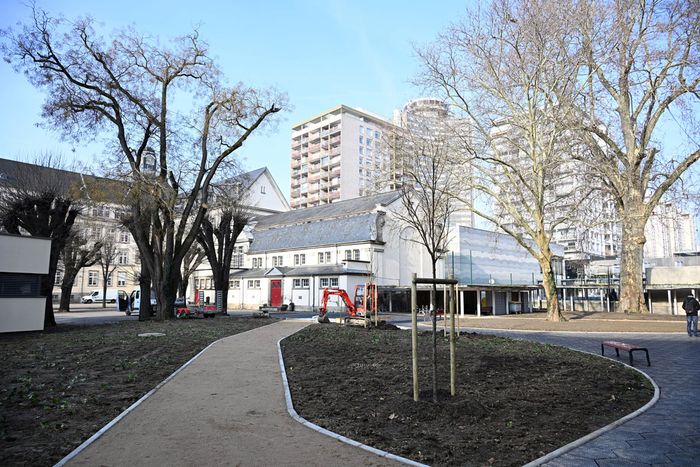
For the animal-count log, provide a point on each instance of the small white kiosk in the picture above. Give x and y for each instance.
(23, 263)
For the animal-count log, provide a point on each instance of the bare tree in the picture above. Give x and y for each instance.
(641, 61)
(217, 236)
(500, 69)
(126, 88)
(193, 259)
(109, 254)
(39, 201)
(427, 170)
(78, 253)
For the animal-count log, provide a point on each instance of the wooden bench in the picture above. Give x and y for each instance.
(629, 348)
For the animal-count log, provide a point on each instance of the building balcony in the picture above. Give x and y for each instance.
(296, 144)
(335, 140)
(295, 193)
(312, 199)
(313, 190)
(295, 163)
(333, 195)
(314, 178)
(334, 129)
(296, 155)
(314, 148)
(335, 173)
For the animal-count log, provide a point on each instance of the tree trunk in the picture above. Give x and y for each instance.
(433, 307)
(549, 283)
(632, 261)
(47, 285)
(221, 284)
(183, 288)
(104, 291)
(145, 291)
(64, 304)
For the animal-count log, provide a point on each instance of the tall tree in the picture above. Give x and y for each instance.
(78, 253)
(500, 70)
(125, 89)
(641, 63)
(428, 168)
(109, 253)
(40, 203)
(217, 238)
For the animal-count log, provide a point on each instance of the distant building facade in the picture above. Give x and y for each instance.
(669, 231)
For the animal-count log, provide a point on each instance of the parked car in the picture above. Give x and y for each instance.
(96, 297)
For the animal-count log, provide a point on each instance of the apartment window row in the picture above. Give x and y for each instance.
(328, 282)
(352, 255)
(324, 257)
(300, 283)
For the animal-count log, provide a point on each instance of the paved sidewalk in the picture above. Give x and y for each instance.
(226, 408)
(668, 434)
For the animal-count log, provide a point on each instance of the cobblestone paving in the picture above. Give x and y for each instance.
(668, 434)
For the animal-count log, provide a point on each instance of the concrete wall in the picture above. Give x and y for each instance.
(26, 255)
(676, 277)
(22, 314)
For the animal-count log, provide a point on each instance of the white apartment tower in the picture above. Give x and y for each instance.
(668, 231)
(336, 155)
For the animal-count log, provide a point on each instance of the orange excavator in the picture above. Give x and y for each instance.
(360, 309)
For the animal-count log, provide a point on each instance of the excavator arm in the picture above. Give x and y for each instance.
(335, 292)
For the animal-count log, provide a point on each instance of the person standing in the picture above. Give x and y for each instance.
(691, 307)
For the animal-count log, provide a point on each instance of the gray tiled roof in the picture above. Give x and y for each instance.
(322, 232)
(349, 207)
(301, 271)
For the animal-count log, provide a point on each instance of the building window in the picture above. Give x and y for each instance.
(299, 259)
(123, 257)
(92, 278)
(323, 282)
(356, 255)
(236, 284)
(348, 255)
(257, 262)
(109, 280)
(320, 257)
(361, 139)
(58, 278)
(237, 260)
(19, 285)
(121, 279)
(262, 189)
(328, 257)
(196, 284)
(254, 284)
(124, 236)
(279, 260)
(334, 281)
(301, 283)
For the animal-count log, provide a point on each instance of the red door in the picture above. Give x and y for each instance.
(275, 293)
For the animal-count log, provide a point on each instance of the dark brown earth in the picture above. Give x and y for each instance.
(57, 388)
(516, 400)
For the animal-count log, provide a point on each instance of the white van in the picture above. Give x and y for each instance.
(135, 301)
(96, 297)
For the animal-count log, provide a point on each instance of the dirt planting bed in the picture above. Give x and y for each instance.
(516, 400)
(57, 388)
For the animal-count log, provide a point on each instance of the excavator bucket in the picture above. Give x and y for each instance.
(323, 319)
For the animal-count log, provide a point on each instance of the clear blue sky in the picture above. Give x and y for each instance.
(322, 53)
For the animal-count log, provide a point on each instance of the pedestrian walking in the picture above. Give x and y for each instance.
(691, 307)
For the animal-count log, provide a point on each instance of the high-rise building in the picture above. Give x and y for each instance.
(669, 230)
(430, 121)
(336, 155)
